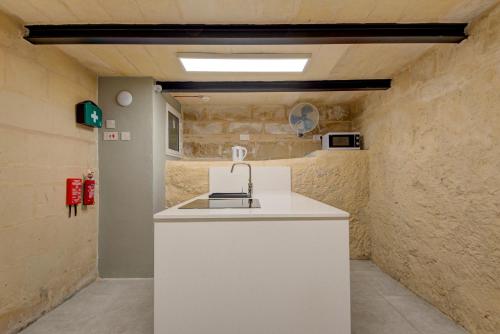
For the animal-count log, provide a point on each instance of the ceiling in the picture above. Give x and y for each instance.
(243, 11)
(327, 61)
(361, 61)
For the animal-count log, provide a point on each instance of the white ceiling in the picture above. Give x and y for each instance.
(360, 61)
(243, 11)
(327, 61)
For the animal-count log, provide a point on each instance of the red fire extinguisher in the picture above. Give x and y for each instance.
(73, 193)
(89, 189)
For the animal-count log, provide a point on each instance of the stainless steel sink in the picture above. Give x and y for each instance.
(232, 203)
(229, 195)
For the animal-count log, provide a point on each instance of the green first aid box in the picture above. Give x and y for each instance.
(89, 114)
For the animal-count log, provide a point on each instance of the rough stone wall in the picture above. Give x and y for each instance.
(336, 178)
(434, 146)
(211, 130)
(44, 256)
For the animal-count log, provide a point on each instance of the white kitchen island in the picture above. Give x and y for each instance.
(279, 269)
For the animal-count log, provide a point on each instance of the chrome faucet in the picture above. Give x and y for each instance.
(250, 184)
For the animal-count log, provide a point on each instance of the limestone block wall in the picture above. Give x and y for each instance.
(336, 178)
(434, 146)
(44, 256)
(211, 130)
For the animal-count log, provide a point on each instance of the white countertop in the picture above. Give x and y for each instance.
(276, 205)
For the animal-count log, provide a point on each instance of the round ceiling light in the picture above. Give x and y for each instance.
(124, 98)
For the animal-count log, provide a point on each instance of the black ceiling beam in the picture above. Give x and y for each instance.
(246, 34)
(274, 86)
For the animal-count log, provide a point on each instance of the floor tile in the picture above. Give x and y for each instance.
(363, 265)
(377, 316)
(105, 307)
(423, 316)
(389, 287)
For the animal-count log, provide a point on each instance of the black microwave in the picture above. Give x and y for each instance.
(341, 141)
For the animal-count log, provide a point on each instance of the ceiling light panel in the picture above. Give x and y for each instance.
(244, 63)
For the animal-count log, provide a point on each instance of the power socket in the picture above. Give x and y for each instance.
(107, 135)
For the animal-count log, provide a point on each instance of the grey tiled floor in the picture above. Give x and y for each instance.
(379, 305)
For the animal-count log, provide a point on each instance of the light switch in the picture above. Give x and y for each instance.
(110, 135)
(125, 135)
(244, 137)
(110, 124)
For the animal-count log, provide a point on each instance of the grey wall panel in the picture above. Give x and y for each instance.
(126, 181)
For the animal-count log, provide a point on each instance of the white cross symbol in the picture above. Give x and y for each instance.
(94, 116)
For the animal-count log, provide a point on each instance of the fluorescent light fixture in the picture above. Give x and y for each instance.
(201, 62)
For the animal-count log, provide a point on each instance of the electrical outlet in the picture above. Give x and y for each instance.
(317, 138)
(110, 135)
(244, 137)
(125, 136)
(110, 124)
